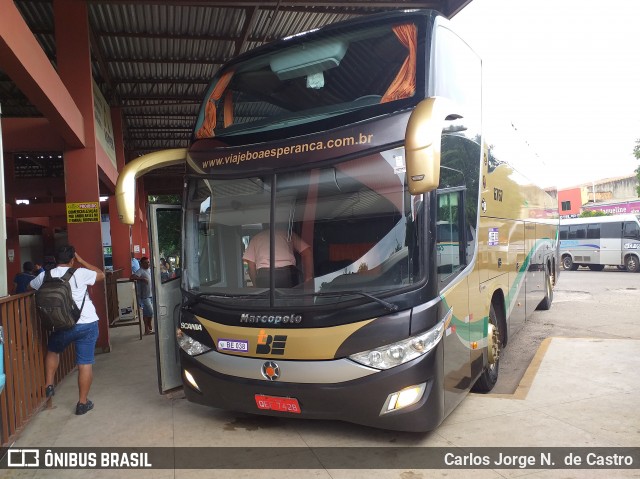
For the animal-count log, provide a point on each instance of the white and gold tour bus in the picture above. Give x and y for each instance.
(429, 250)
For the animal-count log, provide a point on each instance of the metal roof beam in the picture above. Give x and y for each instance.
(249, 24)
(265, 5)
(178, 61)
(181, 81)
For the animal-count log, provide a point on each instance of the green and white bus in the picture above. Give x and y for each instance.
(600, 241)
(364, 139)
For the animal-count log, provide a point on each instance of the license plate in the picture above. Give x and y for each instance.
(275, 403)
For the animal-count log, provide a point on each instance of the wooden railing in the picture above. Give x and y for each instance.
(25, 346)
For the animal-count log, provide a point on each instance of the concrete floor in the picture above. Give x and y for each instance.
(577, 392)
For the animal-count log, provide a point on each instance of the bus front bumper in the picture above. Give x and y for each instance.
(359, 401)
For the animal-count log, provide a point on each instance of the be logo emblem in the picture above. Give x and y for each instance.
(271, 371)
(268, 344)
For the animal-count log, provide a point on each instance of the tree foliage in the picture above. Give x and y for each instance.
(169, 226)
(169, 233)
(165, 199)
(592, 213)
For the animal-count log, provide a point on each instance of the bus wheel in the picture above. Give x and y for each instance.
(632, 263)
(596, 267)
(568, 264)
(489, 376)
(545, 304)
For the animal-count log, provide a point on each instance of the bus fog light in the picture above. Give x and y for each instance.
(191, 380)
(403, 398)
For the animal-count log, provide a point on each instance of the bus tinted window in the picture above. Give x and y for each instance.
(564, 232)
(577, 232)
(631, 230)
(313, 79)
(593, 231)
(611, 230)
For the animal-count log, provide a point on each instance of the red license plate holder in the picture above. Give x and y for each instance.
(276, 403)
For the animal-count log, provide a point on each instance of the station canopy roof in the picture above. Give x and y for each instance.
(155, 58)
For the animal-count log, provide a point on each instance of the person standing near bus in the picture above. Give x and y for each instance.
(84, 334)
(142, 277)
(22, 280)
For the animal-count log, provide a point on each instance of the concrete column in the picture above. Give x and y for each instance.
(81, 165)
(120, 233)
(4, 280)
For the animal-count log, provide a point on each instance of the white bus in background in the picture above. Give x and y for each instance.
(600, 241)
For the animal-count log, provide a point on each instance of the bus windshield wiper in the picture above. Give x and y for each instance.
(195, 297)
(388, 306)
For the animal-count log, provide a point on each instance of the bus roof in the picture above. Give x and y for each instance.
(599, 219)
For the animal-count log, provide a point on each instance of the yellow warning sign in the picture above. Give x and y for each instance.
(88, 212)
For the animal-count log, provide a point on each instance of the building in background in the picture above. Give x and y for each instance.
(611, 195)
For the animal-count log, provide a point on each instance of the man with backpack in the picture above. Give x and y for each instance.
(84, 334)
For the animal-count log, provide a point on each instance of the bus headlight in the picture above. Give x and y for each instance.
(395, 354)
(190, 345)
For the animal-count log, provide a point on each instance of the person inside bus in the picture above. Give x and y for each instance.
(257, 257)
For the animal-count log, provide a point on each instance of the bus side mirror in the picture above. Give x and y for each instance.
(126, 184)
(422, 143)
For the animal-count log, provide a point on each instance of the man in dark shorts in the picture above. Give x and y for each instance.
(84, 334)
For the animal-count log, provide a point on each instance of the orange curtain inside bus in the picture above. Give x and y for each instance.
(211, 112)
(404, 84)
(228, 108)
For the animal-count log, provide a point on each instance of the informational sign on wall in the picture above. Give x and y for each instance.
(103, 125)
(87, 212)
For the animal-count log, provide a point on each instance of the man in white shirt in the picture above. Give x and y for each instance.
(84, 334)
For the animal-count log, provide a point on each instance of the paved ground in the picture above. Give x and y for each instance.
(587, 304)
(578, 391)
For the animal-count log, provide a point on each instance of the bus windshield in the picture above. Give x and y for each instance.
(356, 220)
(317, 77)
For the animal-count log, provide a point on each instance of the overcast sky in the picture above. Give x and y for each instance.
(567, 74)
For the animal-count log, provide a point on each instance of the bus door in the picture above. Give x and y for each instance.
(165, 234)
(516, 260)
(630, 237)
(610, 242)
(451, 261)
(535, 282)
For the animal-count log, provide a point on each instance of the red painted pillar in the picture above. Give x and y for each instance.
(14, 262)
(81, 165)
(120, 233)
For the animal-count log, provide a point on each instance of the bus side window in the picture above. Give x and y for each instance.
(593, 231)
(611, 230)
(451, 241)
(564, 232)
(631, 230)
(577, 232)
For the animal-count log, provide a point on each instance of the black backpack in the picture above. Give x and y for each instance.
(56, 308)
